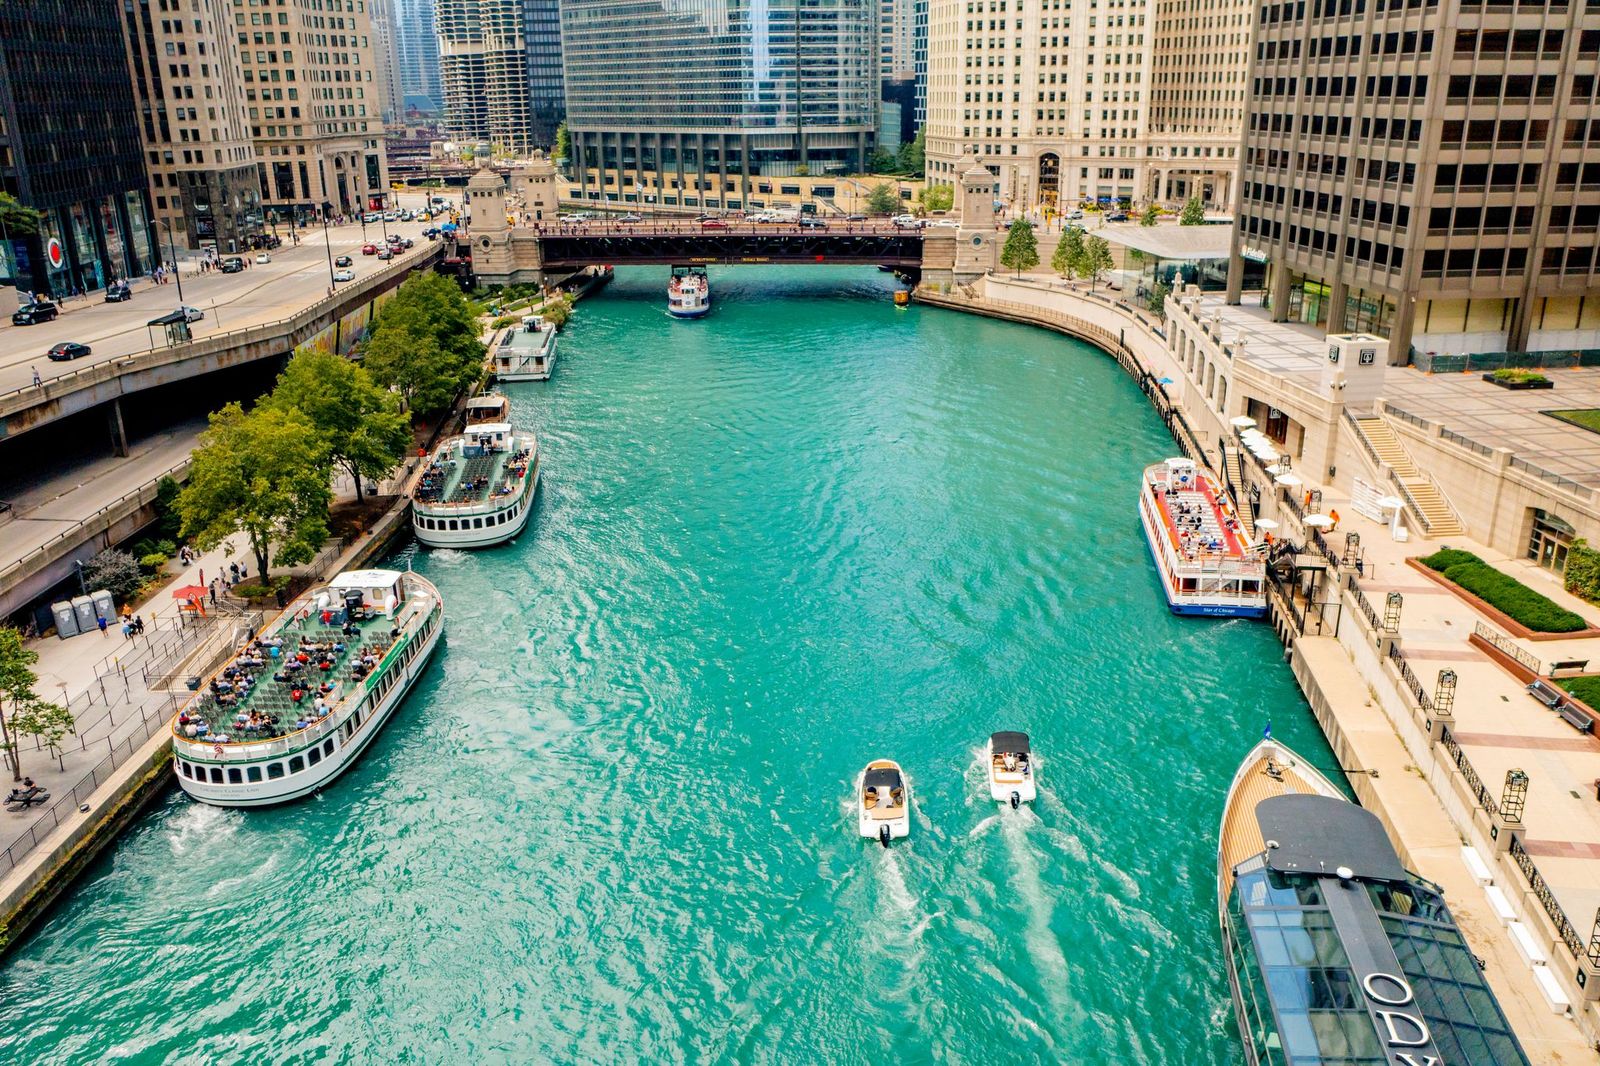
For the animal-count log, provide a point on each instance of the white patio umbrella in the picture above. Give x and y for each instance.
(1265, 452)
(1287, 478)
(1242, 422)
(1390, 501)
(1321, 521)
(1274, 470)
(1266, 523)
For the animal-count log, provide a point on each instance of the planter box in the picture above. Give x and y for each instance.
(1518, 385)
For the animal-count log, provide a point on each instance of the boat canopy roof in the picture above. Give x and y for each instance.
(1318, 835)
(882, 777)
(1017, 743)
(486, 403)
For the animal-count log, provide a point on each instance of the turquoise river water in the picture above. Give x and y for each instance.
(612, 822)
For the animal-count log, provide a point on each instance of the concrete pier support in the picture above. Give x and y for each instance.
(119, 433)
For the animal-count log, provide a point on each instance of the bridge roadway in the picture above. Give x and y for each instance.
(667, 241)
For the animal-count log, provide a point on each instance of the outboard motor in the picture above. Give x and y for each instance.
(1016, 800)
(883, 835)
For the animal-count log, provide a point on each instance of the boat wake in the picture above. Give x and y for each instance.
(1043, 947)
(201, 826)
(448, 557)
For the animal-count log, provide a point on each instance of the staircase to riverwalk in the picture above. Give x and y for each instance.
(1233, 470)
(1422, 496)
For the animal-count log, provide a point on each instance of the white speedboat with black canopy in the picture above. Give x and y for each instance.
(1011, 769)
(883, 801)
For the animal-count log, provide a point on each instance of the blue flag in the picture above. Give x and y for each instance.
(1266, 734)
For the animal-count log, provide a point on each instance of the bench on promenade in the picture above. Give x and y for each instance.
(1577, 718)
(1568, 667)
(1546, 693)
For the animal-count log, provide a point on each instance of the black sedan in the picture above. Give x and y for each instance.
(117, 292)
(342, 261)
(38, 311)
(66, 351)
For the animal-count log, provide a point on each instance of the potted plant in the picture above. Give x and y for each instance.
(1512, 378)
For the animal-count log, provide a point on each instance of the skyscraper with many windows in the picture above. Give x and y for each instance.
(1427, 172)
(500, 67)
(417, 45)
(70, 148)
(683, 102)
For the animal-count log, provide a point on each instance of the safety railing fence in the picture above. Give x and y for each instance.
(1506, 646)
(1435, 363)
(1552, 478)
(1465, 441)
(1552, 907)
(1468, 774)
(1360, 435)
(1418, 692)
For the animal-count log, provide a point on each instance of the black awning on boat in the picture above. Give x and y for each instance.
(882, 778)
(1017, 743)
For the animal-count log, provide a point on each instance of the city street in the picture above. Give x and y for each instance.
(296, 277)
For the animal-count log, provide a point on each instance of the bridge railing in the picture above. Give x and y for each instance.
(20, 399)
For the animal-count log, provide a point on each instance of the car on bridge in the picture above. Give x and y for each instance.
(67, 351)
(907, 221)
(190, 314)
(630, 218)
(713, 223)
(387, 253)
(117, 292)
(344, 275)
(369, 249)
(343, 261)
(37, 311)
(808, 222)
(855, 218)
(263, 257)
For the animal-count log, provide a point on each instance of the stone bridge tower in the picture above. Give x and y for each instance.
(492, 255)
(977, 250)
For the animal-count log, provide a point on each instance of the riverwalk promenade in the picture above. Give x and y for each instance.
(1374, 642)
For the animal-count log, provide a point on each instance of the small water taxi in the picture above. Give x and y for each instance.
(526, 352)
(883, 802)
(478, 487)
(1011, 770)
(1208, 565)
(298, 702)
(1335, 952)
(688, 292)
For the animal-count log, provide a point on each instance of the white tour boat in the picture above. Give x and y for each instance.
(883, 801)
(1011, 770)
(689, 292)
(478, 488)
(299, 702)
(1208, 565)
(526, 352)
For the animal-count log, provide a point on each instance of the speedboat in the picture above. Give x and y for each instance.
(883, 801)
(1011, 776)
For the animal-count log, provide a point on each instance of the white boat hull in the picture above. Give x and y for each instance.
(295, 785)
(872, 827)
(1003, 785)
(486, 537)
(1181, 603)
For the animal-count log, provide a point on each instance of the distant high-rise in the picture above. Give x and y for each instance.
(386, 58)
(70, 147)
(683, 102)
(919, 57)
(417, 45)
(499, 63)
(894, 38)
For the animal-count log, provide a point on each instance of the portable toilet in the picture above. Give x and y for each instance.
(105, 604)
(83, 607)
(66, 619)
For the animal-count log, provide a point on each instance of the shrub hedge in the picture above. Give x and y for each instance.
(1507, 594)
(1445, 558)
(1583, 571)
(1586, 689)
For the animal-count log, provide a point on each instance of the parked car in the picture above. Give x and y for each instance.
(67, 351)
(808, 222)
(432, 233)
(263, 257)
(38, 311)
(190, 314)
(407, 242)
(713, 223)
(117, 292)
(1074, 214)
(1117, 216)
(344, 275)
(907, 221)
(704, 218)
(385, 254)
(370, 216)
(369, 249)
(390, 216)
(343, 261)
(950, 223)
(855, 218)
(232, 265)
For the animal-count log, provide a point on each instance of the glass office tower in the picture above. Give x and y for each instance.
(682, 102)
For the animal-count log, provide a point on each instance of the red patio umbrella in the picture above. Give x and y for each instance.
(190, 592)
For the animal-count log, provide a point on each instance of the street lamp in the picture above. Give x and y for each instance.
(333, 282)
(172, 249)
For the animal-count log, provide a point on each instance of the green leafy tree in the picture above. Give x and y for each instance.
(264, 474)
(49, 723)
(1158, 299)
(1096, 259)
(883, 200)
(1151, 215)
(914, 155)
(115, 571)
(424, 344)
(880, 162)
(937, 197)
(563, 145)
(557, 310)
(16, 693)
(1069, 252)
(19, 219)
(802, 171)
(167, 522)
(362, 426)
(1194, 213)
(1021, 250)
(1582, 575)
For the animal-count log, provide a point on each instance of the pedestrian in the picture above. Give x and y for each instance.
(127, 631)
(233, 572)
(1333, 514)
(100, 620)
(213, 592)
(37, 380)
(244, 570)
(138, 624)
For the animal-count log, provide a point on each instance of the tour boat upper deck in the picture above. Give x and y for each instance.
(1336, 954)
(526, 352)
(477, 489)
(1207, 562)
